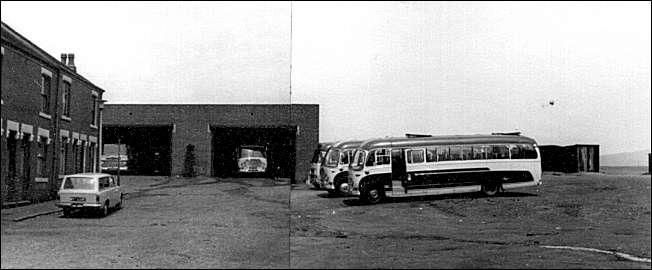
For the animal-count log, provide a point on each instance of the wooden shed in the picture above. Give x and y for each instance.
(571, 158)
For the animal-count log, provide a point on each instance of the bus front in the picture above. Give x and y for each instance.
(328, 168)
(355, 171)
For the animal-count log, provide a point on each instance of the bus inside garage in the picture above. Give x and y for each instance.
(278, 142)
(148, 148)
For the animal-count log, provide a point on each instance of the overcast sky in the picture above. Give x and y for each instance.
(375, 68)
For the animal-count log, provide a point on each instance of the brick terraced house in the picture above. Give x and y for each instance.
(50, 120)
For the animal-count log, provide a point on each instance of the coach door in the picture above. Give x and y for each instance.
(398, 170)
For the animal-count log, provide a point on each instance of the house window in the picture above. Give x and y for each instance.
(45, 92)
(94, 110)
(65, 99)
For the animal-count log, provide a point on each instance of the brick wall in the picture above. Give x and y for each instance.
(191, 126)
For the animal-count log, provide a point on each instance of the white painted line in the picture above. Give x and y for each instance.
(618, 254)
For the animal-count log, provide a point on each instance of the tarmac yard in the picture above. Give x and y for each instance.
(166, 223)
(246, 223)
(532, 227)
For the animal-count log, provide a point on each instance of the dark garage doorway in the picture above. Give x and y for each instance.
(279, 141)
(148, 147)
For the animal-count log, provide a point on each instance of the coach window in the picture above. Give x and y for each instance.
(415, 156)
(371, 158)
(344, 157)
(528, 151)
(480, 151)
(443, 153)
(515, 151)
(332, 158)
(379, 157)
(499, 152)
(456, 152)
(431, 154)
(467, 152)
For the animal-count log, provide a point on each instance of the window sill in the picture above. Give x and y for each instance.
(45, 115)
(66, 118)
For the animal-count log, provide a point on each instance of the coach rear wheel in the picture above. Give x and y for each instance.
(491, 189)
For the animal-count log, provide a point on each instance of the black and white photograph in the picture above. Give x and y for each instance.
(327, 135)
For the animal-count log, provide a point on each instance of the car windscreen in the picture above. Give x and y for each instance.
(247, 153)
(79, 183)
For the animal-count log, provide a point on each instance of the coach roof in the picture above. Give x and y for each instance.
(346, 144)
(445, 140)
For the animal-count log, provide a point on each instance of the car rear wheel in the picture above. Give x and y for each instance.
(104, 210)
(67, 212)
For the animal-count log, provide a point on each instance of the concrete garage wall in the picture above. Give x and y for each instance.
(192, 126)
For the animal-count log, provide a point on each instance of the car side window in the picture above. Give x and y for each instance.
(104, 183)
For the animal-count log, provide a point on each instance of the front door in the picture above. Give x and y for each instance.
(398, 169)
(27, 169)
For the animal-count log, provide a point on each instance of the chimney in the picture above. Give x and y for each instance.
(63, 58)
(71, 62)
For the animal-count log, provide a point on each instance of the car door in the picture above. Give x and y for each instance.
(113, 192)
(102, 190)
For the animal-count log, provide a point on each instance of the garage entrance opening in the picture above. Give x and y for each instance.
(148, 148)
(243, 151)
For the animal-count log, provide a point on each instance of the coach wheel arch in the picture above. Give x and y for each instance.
(341, 179)
(371, 191)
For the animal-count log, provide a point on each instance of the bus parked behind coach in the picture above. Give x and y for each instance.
(315, 163)
(400, 167)
(334, 168)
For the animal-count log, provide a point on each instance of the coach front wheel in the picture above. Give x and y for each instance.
(370, 193)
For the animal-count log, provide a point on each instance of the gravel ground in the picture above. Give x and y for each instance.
(471, 231)
(170, 223)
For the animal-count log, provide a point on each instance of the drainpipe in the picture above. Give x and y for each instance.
(100, 107)
(54, 168)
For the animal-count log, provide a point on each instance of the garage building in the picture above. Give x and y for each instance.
(164, 139)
